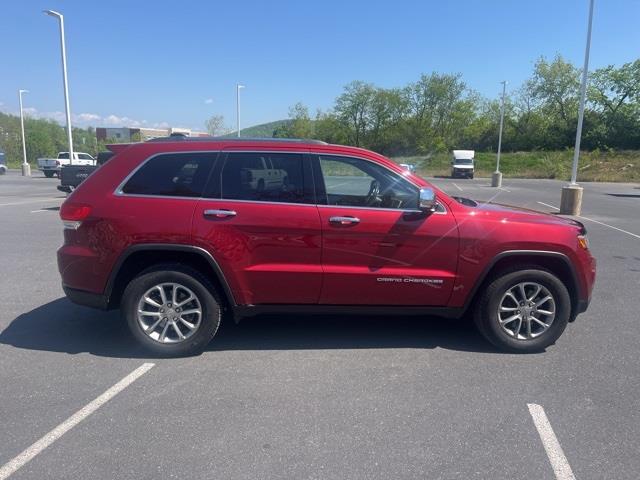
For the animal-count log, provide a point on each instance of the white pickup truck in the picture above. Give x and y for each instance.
(51, 166)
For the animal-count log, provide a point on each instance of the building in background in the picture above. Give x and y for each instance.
(126, 134)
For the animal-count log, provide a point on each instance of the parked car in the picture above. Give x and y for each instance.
(463, 163)
(171, 233)
(73, 175)
(409, 167)
(52, 166)
(260, 174)
(3, 163)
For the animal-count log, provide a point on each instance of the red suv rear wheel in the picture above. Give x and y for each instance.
(172, 310)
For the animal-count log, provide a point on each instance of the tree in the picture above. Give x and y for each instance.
(215, 125)
(614, 94)
(353, 107)
(555, 86)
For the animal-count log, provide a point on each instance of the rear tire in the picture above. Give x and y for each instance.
(49, 174)
(534, 330)
(174, 326)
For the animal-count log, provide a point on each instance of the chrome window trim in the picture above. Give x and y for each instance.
(388, 169)
(403, 210)
(256, 201)
(118, 191)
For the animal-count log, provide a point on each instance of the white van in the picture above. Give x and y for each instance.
(463, 163)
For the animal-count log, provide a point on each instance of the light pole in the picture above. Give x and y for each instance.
(571, 198)
(60, 18)
(26, 168)
(496, 178)
(238, 87)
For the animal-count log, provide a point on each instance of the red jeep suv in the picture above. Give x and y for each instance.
(179, 232)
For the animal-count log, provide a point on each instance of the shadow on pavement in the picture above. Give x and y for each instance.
(60, 326)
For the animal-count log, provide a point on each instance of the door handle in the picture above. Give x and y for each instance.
(222, 213)
(344, 220)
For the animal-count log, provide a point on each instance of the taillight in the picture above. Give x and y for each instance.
(72, 214)
(583, 241)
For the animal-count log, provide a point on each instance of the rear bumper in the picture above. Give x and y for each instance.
(582, 306)
(87, 299)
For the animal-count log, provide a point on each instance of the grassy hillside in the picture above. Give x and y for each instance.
(596, 166)
(264, 130)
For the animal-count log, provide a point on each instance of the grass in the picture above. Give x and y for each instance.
(596, 166)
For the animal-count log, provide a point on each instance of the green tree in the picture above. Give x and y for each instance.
(354, 107)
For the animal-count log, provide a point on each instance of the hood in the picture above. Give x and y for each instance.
(517, 214)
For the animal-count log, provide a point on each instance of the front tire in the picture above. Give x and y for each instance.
(523, 311)
(49, 174)
(172, 310)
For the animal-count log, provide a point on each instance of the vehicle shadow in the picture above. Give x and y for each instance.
(60, 326)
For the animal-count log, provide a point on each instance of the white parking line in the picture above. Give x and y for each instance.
(27, 455)
(595, 221)
(456, 185)
(558, 461)
(27, 202)
(41, 210)
(547, 205)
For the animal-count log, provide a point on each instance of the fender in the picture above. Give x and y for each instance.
(576, 296)
(145, 247)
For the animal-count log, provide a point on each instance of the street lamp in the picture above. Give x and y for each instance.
(571, 198)
(238, 87)
(60, 18)
(496, 178)
(26, 168)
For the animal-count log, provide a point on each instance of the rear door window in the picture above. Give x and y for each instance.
(173, 175)
(264, 177)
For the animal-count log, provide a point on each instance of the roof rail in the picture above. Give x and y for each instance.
(181, 138)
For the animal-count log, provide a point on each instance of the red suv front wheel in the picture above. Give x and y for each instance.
(524, 310)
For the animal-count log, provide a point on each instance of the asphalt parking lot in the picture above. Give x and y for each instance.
(318, 397)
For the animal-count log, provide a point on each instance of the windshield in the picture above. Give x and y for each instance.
(463, 161)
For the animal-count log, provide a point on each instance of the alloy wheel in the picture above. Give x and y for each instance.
(526, 310)
(169, 313)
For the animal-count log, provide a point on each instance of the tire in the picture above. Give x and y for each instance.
(189, 283)
(509, 336)
(48, 174)
(471, 176)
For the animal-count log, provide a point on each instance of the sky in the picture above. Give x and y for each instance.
(170, 63)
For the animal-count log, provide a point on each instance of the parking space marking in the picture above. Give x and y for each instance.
(50, 199)
(27, 455)
(595, 221)
(547, 205)
(558, 461)
(456, 185)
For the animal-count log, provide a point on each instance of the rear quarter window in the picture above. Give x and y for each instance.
(172, 174)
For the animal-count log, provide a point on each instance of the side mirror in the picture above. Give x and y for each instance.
(427, 200)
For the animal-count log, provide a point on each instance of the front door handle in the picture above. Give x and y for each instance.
(344, 220)
(222, 213)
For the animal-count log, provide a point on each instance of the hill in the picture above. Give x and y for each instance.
(264, 130)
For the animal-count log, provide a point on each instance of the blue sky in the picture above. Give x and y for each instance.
(176, 63)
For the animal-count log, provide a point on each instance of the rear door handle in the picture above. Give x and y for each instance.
(222, 213)
(344, 220)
